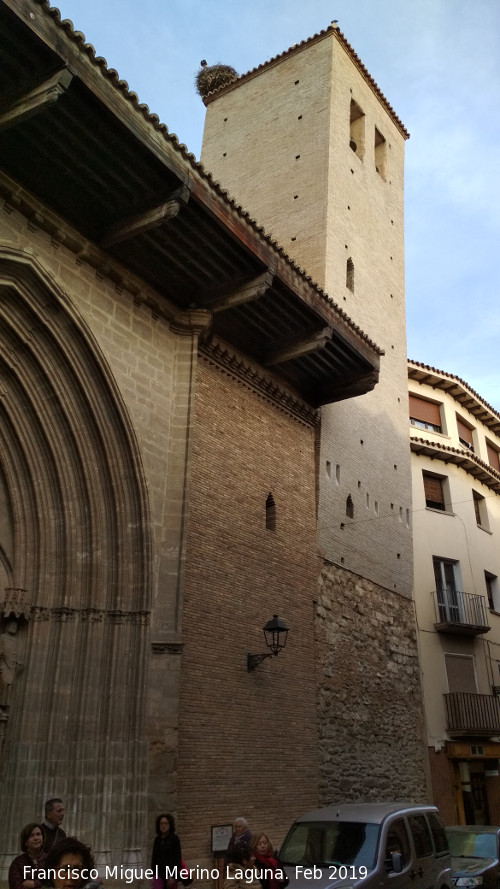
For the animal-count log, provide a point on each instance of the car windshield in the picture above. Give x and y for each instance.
(331, 842)
(471, 844)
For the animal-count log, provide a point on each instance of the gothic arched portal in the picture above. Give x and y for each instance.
(75, 552)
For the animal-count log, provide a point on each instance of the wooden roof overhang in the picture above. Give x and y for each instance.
(75, 137)
(459, 390)
(465, 460)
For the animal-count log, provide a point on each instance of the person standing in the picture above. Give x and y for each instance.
(241, 834)
(51, 826)
(240, 872)
(32, 857)
(271, 876)
(166, 853)
(70, 865)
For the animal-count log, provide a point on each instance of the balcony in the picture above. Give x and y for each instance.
(471, 714)
(460, 613)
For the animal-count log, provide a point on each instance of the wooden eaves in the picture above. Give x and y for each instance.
(76, 138)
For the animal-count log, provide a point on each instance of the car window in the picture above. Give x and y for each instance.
(485, 846)
(438, 833)
(421, 835)
(331, 842)
(471, 843)
(398, 841)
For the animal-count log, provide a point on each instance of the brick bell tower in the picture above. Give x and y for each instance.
(313, 151)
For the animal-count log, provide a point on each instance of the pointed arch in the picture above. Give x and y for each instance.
(77, 542)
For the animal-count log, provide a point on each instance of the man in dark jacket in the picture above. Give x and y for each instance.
(51, 826)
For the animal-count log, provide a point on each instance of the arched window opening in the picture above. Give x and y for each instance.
(270, 513)
(349, 508)
(349, 275)
(380, 153)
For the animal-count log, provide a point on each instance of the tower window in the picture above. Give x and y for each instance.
(380, 153)
(349, 275)
(349, 508)
(270, 513)
(357, 130)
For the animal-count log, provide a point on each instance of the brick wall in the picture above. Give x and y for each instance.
(247, 741)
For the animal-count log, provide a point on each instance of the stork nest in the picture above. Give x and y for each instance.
(211, 77)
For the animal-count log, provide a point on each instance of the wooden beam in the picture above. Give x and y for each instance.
(339, 391)
(296, 347)
(254, 289)
(37, 100)
(143, 222)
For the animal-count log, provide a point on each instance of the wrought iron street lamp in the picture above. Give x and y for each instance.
(275, 634)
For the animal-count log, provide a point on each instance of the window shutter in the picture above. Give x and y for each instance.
(464, 432)
(460, 672)
(433, 488)
(425, 411)
(493, 458)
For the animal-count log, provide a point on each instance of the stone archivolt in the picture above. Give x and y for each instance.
(78, 546)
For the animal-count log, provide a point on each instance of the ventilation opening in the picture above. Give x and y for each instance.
(349, 508)
(270, 513)
(357, 130)
(349, 275)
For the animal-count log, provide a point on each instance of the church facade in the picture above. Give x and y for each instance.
(183, 456)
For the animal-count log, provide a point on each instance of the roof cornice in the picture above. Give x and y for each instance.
(332, 31)
(465, 460)
(458, 389)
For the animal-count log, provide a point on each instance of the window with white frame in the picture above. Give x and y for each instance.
(450, 599)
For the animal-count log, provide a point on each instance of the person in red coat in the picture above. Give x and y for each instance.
(270, 874)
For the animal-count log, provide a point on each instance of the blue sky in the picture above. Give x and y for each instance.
(438, 64)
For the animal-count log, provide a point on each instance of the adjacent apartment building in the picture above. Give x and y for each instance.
(455, 452)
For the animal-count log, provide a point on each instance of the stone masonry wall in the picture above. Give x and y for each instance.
(370, 720)
(77, 655)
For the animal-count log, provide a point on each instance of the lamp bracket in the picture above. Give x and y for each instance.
(253, 660)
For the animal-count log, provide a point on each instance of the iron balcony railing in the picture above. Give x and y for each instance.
(471, 714)
(459, 612)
